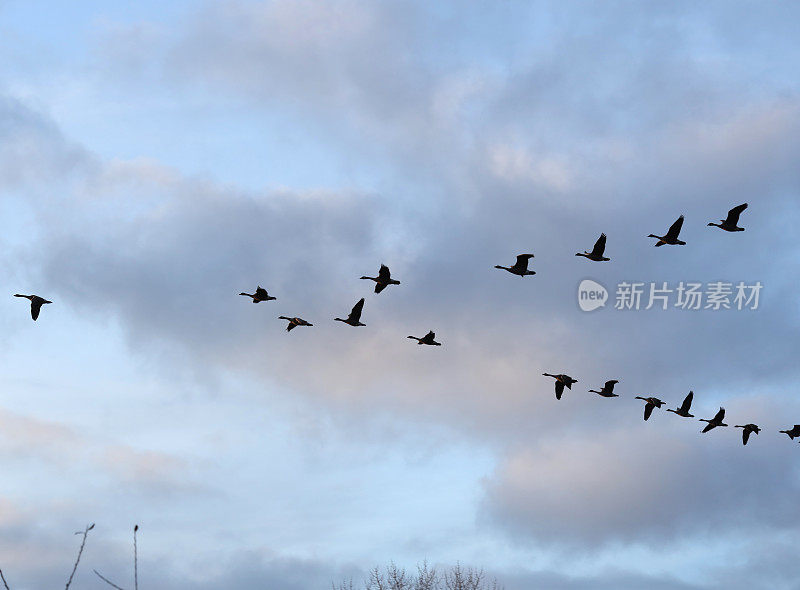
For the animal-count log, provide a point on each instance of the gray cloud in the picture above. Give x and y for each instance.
(645, 483)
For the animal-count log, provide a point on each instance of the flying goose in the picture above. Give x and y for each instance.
(520, 267)
(260, 295)
(717, 420)
(793, 432)
(294, 322)
(685, 407)
(36, 304)
(597, 252)
(671, 237)
(383, 279)
(748, 428)
(607, 389)
(652, 402)
(731, 221)
(354, 319)
(561, 382)
(427, 339)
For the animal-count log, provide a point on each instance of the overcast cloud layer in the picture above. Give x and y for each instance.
(169, 160)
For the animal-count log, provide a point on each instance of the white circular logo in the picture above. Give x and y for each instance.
(591, 295)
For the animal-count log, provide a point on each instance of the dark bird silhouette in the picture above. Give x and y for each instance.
(36, 304)
(731, 221)
(651, 402)
(561, 382)
(294, 322)
(793, 432)
(354, 319)
(260, 295)
(383, 280)
(520, 267)
(427, 339)
(685, 407)
(607, 389)
(717, 420)
(671, 237)
(597, 252)
(748, 428)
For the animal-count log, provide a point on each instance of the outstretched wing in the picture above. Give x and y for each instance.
(559, 389)
(733, 214)
(430, 335)
(291, 326)
(675, 229)
(609, 386)
(522, 261)
(355, 314)
(648, 409)
(720, 415)
(745, 435)
(384, 274)
(379, 286)
(36, 307)
(687, 403)
(599, 246)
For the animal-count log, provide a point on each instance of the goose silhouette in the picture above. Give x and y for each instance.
(354, 318)
(671, 237)
(597, 252)
(730, 223)
(36, 304)
(383, 280)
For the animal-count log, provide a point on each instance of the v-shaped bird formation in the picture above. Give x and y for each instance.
(520, 268)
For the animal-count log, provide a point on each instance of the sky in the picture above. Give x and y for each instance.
(156, 159)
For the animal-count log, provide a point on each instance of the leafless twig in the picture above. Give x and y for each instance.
(85, 533)
(106, 580)
(2, 577)
(135, 560)
(135, 566)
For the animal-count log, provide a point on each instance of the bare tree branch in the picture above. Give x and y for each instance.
(427, 577)
(2, 577)
(135, 560)
(107, 581)
(85, 533)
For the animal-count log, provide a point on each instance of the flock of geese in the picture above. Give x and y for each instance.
(650, 403)
(520, 268)
(729, 224)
